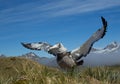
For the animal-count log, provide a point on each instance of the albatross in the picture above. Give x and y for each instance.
(69, 59)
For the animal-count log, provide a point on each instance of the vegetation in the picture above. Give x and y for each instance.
(15, 70)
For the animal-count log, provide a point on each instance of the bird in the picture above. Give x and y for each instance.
(69, 59)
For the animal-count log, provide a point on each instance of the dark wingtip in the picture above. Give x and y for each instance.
(104, 25)
(28, 46)
(104, 21)
(23, 44)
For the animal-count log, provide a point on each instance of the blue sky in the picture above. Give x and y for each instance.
(68, 21)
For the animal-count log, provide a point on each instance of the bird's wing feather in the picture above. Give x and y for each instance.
(86, 47)
(39, 46)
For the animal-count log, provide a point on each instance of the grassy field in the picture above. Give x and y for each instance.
(15, 70)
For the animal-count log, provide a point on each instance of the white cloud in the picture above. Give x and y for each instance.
(86, 6)
(35, 11)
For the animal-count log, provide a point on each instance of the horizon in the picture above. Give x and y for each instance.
(65, 21)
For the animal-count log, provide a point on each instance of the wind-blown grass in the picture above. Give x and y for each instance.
(105, 74)
(15, 70)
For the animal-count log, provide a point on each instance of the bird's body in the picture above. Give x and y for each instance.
(65, 60)
(69, 59)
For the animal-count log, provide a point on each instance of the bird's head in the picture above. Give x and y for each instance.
(61, 48)
(58, 48)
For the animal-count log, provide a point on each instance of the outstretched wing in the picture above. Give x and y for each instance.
(86, 47)
(39, 46)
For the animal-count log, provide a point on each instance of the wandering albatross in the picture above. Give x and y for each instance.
(69, 59)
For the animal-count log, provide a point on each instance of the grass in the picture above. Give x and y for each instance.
(15, 70)
(106, 74)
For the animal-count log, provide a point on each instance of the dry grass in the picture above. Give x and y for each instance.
(15, 70)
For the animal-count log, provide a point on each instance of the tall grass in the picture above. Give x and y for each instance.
(105, 74)
(23, 71)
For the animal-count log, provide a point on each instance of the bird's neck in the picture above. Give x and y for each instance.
(61, 55)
